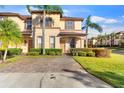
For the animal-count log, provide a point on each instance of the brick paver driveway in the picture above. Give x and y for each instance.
(48, 72)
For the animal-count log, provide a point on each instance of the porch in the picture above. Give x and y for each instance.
(71, 40)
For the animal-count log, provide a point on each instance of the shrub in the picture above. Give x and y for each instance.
(58, 53)
(102, 52)
(122, 43)
(52, 53)
(35, 50)
(14, 51)
(33, 53)
(48, 51)
(91, 54)
(82, 53)
(99, 52)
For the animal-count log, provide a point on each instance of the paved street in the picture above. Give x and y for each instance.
(118, 52)
(60, 72)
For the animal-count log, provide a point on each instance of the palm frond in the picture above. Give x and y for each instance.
(9, 33)
(96, 26)
(48, 8)
(88, 20)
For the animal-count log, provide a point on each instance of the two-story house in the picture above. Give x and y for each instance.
(60, 32)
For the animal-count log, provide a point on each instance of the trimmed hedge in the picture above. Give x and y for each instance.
(82, 53)
(14, 51)
(50, 51)
(11, 51)
(98, 52)
(33, 53)
(91, 54)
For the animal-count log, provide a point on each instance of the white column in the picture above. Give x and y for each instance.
(82, 42)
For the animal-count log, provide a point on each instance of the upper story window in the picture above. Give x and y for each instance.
(48, 22)
(29, 24)
(69, 25)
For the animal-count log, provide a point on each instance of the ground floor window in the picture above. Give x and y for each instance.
(39, 41)
(52, 41)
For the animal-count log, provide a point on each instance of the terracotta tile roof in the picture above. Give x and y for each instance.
(71, 34)
(71, 18)
(23, 17)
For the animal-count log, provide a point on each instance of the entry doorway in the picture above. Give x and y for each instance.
(72, 43)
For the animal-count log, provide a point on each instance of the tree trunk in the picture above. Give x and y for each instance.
(43, 32)
(86, 43)
(5, 54)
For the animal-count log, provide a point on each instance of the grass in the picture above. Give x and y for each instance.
(116, 48)
(10, 61)
(111, 70)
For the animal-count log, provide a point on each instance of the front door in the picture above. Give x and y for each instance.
(72, 43)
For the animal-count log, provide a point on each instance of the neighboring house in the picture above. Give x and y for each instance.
(119, 37)
(60, 32)
(92, 42)
(108, 40)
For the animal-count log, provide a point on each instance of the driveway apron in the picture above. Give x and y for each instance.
(57, 72)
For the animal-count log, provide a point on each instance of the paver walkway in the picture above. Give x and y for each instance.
(60, 72)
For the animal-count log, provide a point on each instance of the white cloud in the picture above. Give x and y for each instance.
(103, 20)
(106, 29)
(123, 16)
(109, 21)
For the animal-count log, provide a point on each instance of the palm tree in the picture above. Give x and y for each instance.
(112, 36)
(46, 9)
(89, 24)
(10, 34)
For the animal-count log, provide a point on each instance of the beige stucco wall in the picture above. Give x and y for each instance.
(79, 42)
(48, 33)
(19, 21)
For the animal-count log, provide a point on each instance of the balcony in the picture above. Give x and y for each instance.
(27, 32)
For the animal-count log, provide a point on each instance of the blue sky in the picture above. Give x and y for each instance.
(111, 18)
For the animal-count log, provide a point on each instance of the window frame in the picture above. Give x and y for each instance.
(50, 44)
(29, 24)
(69, 26)
(40, 45)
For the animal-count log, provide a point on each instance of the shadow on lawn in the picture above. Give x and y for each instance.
(85, 79)
(114, 79)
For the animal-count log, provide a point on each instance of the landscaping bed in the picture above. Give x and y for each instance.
(49, 51)
(92, 52)
(111, 70)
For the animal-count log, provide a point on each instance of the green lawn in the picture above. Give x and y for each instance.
(116, 48)
(110, 70)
